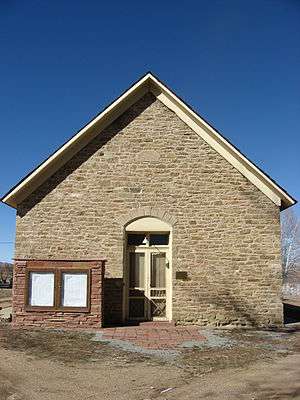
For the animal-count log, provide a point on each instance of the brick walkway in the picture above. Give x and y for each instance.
(158, 336)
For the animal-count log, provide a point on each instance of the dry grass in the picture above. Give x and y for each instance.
(249, 350)
(249, 347)
(67, 347)
(5, 293)
(212, 360)
(5, 389)
(76, 347)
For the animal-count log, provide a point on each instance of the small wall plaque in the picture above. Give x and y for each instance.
(182, 275)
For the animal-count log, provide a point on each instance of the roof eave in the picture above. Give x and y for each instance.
(17, 193)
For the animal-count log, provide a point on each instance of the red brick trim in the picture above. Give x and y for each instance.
(23, 317)
(62, 260)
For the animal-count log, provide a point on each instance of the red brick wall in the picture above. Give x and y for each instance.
(57, 319)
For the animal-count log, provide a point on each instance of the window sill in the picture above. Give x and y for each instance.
(57, 310)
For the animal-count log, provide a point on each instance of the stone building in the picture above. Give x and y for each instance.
(187, 227)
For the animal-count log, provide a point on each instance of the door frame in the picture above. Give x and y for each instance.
(148, 250)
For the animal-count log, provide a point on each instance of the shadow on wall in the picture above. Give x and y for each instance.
(113, 301)
(84, 154)
(234, 310)
(231, 308)
(237, 311)
(291, 313)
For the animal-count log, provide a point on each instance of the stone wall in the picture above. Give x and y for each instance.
(57, 319)
(226, 233)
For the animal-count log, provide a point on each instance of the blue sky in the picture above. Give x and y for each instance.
(236, 62)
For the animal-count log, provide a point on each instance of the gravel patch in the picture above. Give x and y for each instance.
(213, 340)
(272, 335)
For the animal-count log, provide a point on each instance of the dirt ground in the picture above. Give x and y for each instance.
(55, 365)
(5, 293)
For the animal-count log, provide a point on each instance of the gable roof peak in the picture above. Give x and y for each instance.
(148, 82)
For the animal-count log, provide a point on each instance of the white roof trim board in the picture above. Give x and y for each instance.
(149, 83)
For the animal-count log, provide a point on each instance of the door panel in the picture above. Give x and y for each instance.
(136, 295)
(158, 308)
(158, 270)
(137, 270)
(147, 284)
(137, 308)
(158, 292)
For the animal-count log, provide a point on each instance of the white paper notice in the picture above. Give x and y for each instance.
(41, 289)
(74, 290)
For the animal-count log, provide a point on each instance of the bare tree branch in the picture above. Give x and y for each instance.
(290, 239)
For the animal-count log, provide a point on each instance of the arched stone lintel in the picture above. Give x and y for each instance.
(155, 212)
